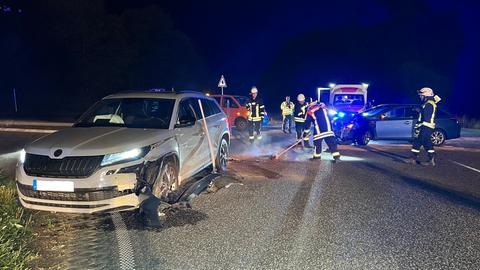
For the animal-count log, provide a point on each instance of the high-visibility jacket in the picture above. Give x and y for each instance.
(427, 113)
(287, 108)
(299, 112)
(318, 116)
(256, 109)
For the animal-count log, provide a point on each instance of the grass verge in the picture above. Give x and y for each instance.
(15, 233)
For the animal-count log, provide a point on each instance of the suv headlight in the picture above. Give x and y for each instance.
(22, 157)
(126, 156)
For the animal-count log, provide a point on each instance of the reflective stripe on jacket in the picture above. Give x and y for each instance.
(256, 109)
(287, 108)
(321, 123)
(427, 114)
(299, 112)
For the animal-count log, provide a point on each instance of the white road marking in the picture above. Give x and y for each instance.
(466, 166)
(125, 250)
(28, 130)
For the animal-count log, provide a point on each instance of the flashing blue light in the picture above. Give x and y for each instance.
(332, 112)
(341, 114)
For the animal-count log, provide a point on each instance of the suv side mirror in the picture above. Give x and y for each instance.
(186, 121)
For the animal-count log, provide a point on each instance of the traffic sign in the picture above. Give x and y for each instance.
(222, 83)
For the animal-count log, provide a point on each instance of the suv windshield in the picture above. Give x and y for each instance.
(129, 112)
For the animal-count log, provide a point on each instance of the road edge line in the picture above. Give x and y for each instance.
(466, 166)
(125, 250)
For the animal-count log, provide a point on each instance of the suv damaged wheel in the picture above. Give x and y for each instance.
(166, 181)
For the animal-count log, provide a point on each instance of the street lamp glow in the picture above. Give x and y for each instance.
(365, 85)
(331, 85)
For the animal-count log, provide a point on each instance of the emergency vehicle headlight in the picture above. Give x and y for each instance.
(341, 114)
(332, 112)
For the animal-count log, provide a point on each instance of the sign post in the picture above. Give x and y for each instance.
(222, 83)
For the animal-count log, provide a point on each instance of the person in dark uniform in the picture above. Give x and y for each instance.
(256, 112)
(424, 127)
(299, 115)
(322, 130)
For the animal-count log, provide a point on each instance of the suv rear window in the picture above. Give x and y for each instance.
(210, 107)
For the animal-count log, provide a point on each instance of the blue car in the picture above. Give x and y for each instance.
(393, 122)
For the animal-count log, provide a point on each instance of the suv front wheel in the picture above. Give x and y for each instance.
(167, 180)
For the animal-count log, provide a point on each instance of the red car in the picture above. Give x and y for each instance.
(234, 108)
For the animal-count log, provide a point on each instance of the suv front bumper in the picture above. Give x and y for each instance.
(100, 192)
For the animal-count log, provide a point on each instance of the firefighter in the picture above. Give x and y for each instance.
(424, 127)
(299, 115)
(287, 113)
(318, 116)
(256, 112)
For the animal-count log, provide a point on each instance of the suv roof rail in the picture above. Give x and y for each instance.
(159, 90)
(189, 91)
(153, 90)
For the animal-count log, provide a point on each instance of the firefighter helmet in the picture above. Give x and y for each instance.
(426, 91)
(254, 90)
(301, 97)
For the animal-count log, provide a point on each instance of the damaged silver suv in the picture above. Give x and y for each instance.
(123, 144)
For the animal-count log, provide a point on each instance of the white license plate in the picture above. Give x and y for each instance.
(65, 186)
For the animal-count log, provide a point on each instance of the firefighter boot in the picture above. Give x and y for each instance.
(336, 157)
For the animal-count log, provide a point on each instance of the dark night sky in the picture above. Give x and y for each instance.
(287, 47)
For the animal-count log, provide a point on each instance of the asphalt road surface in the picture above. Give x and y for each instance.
(370, 211)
